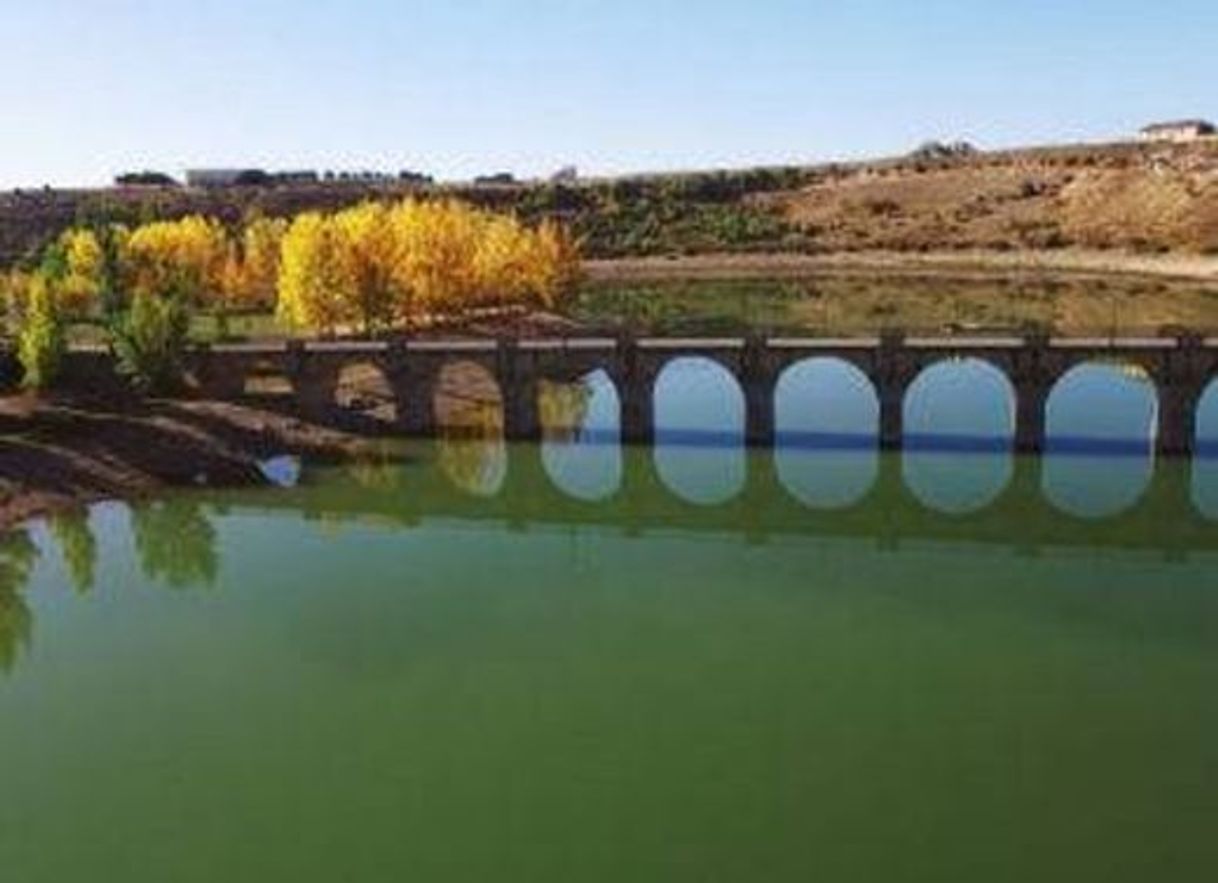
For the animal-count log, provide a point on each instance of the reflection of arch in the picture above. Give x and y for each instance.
(699, 430)
(1206, 428)
(826, 432)
(960, 403)
(959, 421)
(956, 482)
(1100, 426)
(581, 436)
(468, 407)
(363, 389)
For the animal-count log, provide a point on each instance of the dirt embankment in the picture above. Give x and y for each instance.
(57, 455)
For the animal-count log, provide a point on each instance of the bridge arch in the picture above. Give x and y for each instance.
(581, 448)
(469, 419)
(959, 420)
(1205, 456)
(1101, 422)
(699, 414)
(364, 390)
(826, 432)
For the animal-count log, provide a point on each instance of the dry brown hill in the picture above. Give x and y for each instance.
(1139, 197)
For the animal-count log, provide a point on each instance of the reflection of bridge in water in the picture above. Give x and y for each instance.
(1162, 521)
(1179, 369)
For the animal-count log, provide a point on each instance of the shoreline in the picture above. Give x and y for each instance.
(58, 455)
(954, 264)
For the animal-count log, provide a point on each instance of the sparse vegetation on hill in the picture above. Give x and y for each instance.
(1143, 197)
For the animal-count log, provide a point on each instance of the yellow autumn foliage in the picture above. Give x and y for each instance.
(81, 286)
(370, 267)
(188, 256)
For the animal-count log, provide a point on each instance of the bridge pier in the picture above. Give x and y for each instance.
(520, 388)
(758, 382)
(314, 382)
(1181, 383)
(634, 385)
(892, 375)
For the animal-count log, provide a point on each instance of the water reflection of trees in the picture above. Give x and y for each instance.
(78, 547)
(471, 446)
(18, 555)
(176, 542)
(377, 468)
(563, 408)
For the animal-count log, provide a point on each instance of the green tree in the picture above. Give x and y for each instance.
(78, 547)
(18, 555)
(149, 340)
(41, 341)
(176, 543)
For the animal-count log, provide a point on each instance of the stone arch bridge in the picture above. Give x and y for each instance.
(1179, 367)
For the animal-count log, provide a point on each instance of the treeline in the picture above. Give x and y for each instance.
(367, 269)
(643, 215)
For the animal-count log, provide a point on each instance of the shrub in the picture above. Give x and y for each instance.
(149, 340)
(41, 341)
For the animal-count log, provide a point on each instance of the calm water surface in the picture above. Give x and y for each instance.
(571, 661)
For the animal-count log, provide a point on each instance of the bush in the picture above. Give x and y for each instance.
(41, 341)
(149, 340)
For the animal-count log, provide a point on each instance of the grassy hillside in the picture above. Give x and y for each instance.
(1148, 198)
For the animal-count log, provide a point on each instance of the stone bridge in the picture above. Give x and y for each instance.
(1179, 367)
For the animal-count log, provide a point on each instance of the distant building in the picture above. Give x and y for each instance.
(1178, 131)
(565, 175)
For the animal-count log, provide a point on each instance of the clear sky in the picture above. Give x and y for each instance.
(458, 87)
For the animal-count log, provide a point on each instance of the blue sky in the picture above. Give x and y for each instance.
(92, 87)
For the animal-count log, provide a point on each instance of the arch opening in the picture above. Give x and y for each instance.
(581, 435)
(266, 381)
(468, 408)
(1205, 456)
(959, 435)
(699, 430)
(364, 392)
(1101, 421)
(826, 433)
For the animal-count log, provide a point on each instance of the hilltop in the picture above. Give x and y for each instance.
(1143, 198)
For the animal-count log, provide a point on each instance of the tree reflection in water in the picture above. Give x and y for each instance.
(563, 408)
(18, 555)
(472, 450)
(78, 547)
(376, 468)
(176, 543)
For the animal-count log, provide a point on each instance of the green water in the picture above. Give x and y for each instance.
(449, 669)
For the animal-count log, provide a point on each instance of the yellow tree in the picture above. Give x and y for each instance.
(81, 286)
(435, 266)
(310, 275)
(188, 256)
(366, 251)
(261, 246)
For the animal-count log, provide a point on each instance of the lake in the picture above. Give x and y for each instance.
(464, 660)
